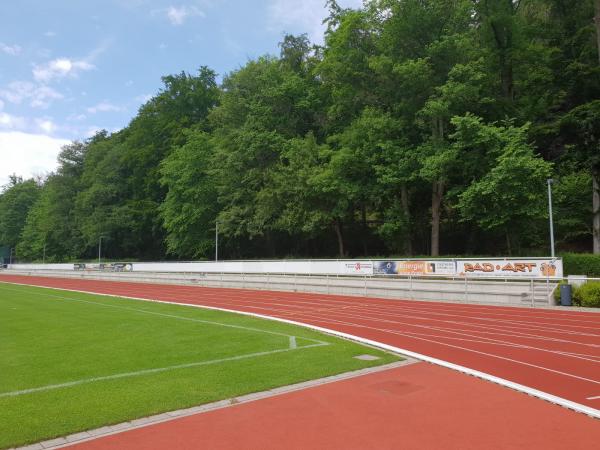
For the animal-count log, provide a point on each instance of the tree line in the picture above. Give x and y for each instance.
(418, 127)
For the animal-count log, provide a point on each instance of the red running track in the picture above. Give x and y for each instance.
(420, 406)
(557, 352)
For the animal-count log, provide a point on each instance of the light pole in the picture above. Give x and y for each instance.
(550, 181)
(100, 248)
(44, 257)
(10, 257)
(216, 241)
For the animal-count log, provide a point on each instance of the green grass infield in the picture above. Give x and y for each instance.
(70, 361)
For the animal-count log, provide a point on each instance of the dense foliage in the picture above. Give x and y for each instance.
(581, 264)
(419, 127)
(587, 295)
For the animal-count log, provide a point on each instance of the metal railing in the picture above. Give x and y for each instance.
(469, 289)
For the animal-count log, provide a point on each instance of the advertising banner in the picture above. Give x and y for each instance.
(441, 267)
(357, 268)
(536, 268)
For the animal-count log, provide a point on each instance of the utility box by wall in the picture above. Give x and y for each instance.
(565, 295)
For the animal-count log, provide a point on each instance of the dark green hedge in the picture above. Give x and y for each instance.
(588, 295)
(581, 264)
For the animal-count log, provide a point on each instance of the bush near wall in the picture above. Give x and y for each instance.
(581, 264)
(588, 295)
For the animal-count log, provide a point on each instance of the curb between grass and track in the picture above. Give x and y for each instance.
(98, 433)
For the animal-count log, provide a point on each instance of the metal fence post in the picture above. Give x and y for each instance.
(532, 293)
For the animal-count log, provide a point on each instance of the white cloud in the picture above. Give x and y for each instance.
(60, 68)
(103, 107)
(50, 33)
(91, 131)
(76, 117)
(11, 122)
(27, 154)
(304, 16)
(39, 96)
(46, 125)
(178, 15)
(144, 98)
(1, 104)
(12, 50)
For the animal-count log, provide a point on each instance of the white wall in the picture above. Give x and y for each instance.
(329, 267)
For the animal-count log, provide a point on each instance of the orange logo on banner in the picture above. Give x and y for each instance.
(411, 267)
(548, 270)
(509, 267)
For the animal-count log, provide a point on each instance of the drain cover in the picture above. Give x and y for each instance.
(367, 357)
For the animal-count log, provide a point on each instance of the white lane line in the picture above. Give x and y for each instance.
(399, 333)
(152, 371)
(171, 316)
(501, 330)
(597, 397)
(347, 315)
(439, 362)
(402, 305)
(393, 310)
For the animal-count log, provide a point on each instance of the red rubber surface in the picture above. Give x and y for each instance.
(557, 352)
(413, 407)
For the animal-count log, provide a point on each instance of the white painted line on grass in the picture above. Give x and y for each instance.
(293, 342)
(592, 412)
(152, 371)
(144, 311)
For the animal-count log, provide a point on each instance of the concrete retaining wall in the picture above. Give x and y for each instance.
(526, 292)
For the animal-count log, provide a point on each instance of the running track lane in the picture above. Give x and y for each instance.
(419, 406)
(557, 352)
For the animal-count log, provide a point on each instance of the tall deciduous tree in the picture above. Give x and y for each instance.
(16, 200)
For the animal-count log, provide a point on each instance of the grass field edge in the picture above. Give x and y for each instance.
(577, 407)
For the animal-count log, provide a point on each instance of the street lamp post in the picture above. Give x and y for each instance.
(216, 241)
(44, 257)
(10, 256)
(550, 181)
(100, 248)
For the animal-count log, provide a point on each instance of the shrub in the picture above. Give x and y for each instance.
(581, 264)
(588, 295)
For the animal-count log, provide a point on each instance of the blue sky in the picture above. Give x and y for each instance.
(71, 67)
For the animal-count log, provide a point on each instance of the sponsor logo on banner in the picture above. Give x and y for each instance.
(511, 268)
(441, 267)
(414, 267)
(384, 267)
(411, 267)
(358, 268)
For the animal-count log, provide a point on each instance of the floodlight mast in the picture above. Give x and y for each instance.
(550, 182)
(216, 241)
(100, 249)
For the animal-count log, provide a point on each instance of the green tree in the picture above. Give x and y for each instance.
(512, 193)
(190, 207)
(16, 200)
(51, 228)
(581, 128)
